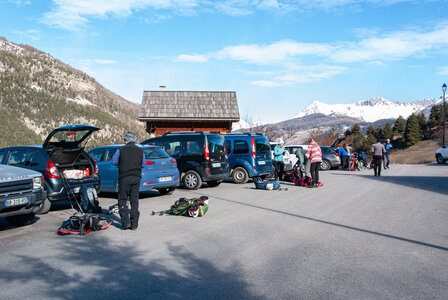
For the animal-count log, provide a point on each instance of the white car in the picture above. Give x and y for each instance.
(286, 157)
(442, 154)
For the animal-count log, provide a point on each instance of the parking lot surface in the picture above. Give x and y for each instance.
(358, 237)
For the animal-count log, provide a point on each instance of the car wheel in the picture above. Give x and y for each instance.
(20, 220)
(440, 159)
(214, 182)
(240, 175)
(325, 165)
(166, 191)
(192, 180)
(44, 207)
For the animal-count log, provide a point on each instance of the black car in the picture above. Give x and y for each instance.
(61, 153)
(201, 156)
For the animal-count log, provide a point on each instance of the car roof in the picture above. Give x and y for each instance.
(22, 147)
(121, 145)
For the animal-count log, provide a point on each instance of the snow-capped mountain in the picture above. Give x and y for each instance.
(369, 110)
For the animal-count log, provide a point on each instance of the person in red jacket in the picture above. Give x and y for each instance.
(314, 154)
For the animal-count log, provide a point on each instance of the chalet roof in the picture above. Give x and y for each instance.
(184, 105)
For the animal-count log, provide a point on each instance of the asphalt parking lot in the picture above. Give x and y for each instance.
(358, 237)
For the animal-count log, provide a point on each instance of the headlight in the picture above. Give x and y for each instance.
(38, 182)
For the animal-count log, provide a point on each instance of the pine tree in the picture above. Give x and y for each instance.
(412, 131)
(423, 126)
(399, 125)
(387, 132)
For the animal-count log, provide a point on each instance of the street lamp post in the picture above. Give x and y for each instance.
(444, 123)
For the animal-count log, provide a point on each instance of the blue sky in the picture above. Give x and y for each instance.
(278, 55)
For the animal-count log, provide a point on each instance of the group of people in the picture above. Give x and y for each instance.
(380, 151)
(310, 159)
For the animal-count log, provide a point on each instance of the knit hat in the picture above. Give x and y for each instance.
(280, 141)
(130, 137)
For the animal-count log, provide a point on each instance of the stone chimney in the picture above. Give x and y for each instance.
(162, 88)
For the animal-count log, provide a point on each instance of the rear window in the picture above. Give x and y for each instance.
(2, 155)
(154, 153)
(215, 143)
(262, 146)
(69, 136)
(20, 158)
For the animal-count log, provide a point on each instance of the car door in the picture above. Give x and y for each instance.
(96, 155)
(110, 172)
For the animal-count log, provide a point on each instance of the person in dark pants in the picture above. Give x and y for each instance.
(377, 152)
(388, 147)
(130, 162)
(343, 154)
(279, 164)
(314, 154)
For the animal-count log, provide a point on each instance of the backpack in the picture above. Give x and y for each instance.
(194, 207)
(266, 185)
(83, 224)
(305, 181)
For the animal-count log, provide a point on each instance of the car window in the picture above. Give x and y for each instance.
(228, 146)
(240, 147)
(192, 148)
(109, 154)
(155, 153)
(215, 143)
(96, 154)
(2, 156)
(262, 146)
(20, 158)
(69, 136)
(325, 150)
(172, 147)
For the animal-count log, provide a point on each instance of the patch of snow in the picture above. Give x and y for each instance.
(35, 86)
(81, 101)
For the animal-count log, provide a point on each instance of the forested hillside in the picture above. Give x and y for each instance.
(39, 93)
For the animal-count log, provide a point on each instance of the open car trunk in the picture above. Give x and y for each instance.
(73, 164)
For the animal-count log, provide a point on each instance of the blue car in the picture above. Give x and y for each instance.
(249, 156)
(160, 172)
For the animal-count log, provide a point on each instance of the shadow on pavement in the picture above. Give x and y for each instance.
(108, 271)
(337, 224)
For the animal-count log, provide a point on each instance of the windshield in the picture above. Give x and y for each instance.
(154, 153)
(262, 146)
(215, 143)
(69, 136)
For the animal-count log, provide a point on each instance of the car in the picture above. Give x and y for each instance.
(160, 172)
(330, 158)
(442, 154)
(201, 156)
(249, 156)
(59, 155)
(21, 194)
(286, 157)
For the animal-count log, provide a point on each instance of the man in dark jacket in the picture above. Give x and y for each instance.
(130, 162)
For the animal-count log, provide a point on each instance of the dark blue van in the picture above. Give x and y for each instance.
(249, 156)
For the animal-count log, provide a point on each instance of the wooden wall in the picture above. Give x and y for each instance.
(160, 127)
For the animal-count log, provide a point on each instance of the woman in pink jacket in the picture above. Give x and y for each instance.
(314, 154)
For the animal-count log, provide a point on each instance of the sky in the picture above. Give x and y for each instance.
(277, 55)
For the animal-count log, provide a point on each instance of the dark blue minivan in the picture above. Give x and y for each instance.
(249, 156)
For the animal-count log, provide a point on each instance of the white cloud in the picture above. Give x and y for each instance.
(33, 34)
(443, 70)
(267, 83)
(192, 58)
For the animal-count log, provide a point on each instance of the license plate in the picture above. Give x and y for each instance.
(216, 165)
(164, 179)
(261, 162)
(76, 189)
(17, 201)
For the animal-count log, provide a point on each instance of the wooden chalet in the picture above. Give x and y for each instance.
(165, 111)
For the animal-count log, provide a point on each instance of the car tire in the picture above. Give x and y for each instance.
(440, 160)
(44, 207)
(167, 191)
(214, 183)
(240, 175)
(325, 165)
(20, 220)
(192, 180)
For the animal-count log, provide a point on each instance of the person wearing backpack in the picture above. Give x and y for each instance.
(314, 154)
(130, 161)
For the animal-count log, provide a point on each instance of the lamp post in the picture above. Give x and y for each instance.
(444, 123)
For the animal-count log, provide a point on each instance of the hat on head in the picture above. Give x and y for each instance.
(71, 132)
(280, 141)
(130, 137)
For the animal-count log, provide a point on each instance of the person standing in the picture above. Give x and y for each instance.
(130, 161)
(279, 164)
(378, 151)
(388, 147)
(314, 154)
(302, 162)
(343, 154)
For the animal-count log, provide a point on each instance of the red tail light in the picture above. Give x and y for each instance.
(336, 154)
(207, 170)
(206, 153)
(149, 162)
(96, 169)
(173, 160)
(51, 171)
(252, 148)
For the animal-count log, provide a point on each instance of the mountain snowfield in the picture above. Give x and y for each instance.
(369, 110)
